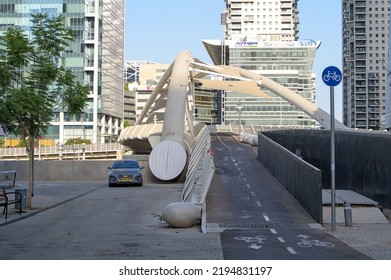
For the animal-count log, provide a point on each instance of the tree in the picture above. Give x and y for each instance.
(34, 81)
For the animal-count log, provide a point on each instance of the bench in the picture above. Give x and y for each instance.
(6, 200)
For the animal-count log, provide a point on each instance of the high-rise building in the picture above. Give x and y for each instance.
(262, 20)
(365, 55)
(95, 58)
(288, 63)
(143, 76)
(262, 36)
(387, 116)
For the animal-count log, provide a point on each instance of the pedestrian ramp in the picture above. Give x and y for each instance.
(363, 209)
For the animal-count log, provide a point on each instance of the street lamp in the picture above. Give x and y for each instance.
(239, 108)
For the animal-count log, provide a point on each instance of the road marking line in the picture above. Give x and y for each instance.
(244, 179)
(241, 173)
(224, 143)
(281, 239)
(265, 217)
(253, 194)
(272, 230)
(248, 186)
(258, 203)
(290, 250)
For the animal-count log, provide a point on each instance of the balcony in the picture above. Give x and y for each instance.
(248, 18)
(360, 10)
(286, 19)
(360, 18)
(360, 31)
(360, 77)
(361, 97)
(236, 19)
(361, 4)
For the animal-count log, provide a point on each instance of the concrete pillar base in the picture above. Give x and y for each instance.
(181, 214)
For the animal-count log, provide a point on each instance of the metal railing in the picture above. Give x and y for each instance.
(63, 151)
(200, 171)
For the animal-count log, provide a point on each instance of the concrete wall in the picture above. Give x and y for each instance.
(300, 178)
(362, 158)
(62, 170)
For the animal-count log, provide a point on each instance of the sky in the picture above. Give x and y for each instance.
(158, 30)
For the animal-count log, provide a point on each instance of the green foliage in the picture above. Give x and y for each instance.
(127, 123)
(2, 142)
(78, 141)
(160, 217)
(50, 34)
(33, 81)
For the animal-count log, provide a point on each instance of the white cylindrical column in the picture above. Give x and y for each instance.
(168, 158)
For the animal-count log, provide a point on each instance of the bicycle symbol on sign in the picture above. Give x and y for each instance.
(332, 75)
(306, 242)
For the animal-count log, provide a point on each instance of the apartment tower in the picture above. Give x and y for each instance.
(262, 20)
(365, 56)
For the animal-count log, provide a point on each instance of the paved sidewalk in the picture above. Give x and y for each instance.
(370, 233)
(89, 220)
(371, 239)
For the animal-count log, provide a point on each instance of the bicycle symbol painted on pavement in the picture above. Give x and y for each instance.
(255, 241)
(332, 75)
(306, 242)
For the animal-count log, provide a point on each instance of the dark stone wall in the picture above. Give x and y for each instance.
(362, 158)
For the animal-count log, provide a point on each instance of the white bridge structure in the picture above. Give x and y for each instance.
(167, 128)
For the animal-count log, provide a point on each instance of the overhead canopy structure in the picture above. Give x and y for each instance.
(248, 87)
(175, 93)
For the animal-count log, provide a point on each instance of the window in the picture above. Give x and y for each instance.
(7, 8)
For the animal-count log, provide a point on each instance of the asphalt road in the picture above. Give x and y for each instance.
(257, 217)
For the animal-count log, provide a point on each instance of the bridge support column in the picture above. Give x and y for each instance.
(168, 158)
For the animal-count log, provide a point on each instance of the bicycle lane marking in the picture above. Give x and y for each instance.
(254, 241)
(282, 243)
(306, 242)
(257, 242)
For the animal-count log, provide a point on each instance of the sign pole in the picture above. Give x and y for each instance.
(332, 76)
(332, 157)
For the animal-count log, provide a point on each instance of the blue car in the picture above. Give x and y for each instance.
(125, 172)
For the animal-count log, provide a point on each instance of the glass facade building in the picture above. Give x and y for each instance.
(287, 63)
(95, 58)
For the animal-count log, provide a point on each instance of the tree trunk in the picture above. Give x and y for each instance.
(31, 173)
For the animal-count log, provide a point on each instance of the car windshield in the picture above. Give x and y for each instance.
(125, 164)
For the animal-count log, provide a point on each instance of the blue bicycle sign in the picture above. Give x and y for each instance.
(332, 76)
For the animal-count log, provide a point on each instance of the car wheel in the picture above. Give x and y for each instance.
(111, 185)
